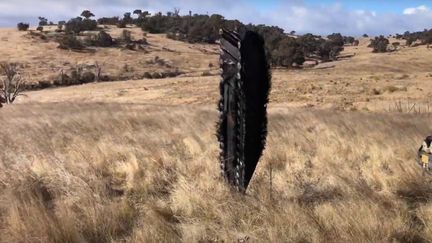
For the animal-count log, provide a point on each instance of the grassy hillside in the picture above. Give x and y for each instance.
(111, 172)
(43, 61)
(367, 81)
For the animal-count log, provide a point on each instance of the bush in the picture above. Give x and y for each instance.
(131, 46)
(336, 39)
(108, 21)
(43, 21)
(78, 24)
(147, 75)
(23, 26)
(127, 18)
(70, 42)
(39, 28)
(12, 84)
(37, 35)
(206, 73)
(288, 52)
(157, 75)
(126, 36)
(44, 84)
(379, 44)
(349, 40)
(104, 39)
(121, 24)
(172, 74)
(87, 77)
(329, 50)
(59, 28)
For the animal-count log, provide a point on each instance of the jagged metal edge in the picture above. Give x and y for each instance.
(238, 182)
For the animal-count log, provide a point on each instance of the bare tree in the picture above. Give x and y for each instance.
(98, 67)
(12, 83)
(176, 12)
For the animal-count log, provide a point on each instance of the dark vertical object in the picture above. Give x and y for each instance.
(244, 89)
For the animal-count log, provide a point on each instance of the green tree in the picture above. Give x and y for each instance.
(87, 14)
(137, 12)
(379, 44)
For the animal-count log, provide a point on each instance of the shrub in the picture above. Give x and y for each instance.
(39, 28)
(87, 77)
(23, 26)
(376, 91)
(121, 24)
(379, 44)
(77, 25)
(43, 21)
(11, 84)
(70, 42)
(147, 75)
(63, 79)
(410, 40)
(173, 74)
(131, 46)
(142, 41)
(44, 84)
(349, 40)
(288, 52)
(37, 35)
(157, 75)
(127, 19)
(75, 77)
(206, 73)
(104, 39)
(108, 21)
(329, 50)
(337, 39)
(126, 36)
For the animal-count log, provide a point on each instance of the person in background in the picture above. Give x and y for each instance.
(425, 152)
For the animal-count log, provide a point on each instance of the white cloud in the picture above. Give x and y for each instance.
(289, 14)
(417, 10)
(336, 18)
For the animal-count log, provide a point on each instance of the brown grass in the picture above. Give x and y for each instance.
(136, 173)
(136, 161)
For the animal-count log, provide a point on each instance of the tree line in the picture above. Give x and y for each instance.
(424, 37)
(283, 49)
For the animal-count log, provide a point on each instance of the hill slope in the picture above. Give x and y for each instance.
(366, 81)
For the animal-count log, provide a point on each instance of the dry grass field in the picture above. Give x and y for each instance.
(136, 161)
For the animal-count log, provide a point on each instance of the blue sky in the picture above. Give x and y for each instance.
(320, 17)
(379, 6)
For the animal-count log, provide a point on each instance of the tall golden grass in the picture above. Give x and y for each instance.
(134, 173)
